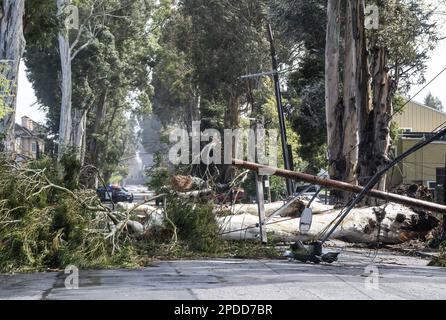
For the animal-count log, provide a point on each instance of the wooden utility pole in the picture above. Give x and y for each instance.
(286, 155)
(338, 185)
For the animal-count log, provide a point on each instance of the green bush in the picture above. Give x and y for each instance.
(44, 228)
(440, 261)
(196, 224)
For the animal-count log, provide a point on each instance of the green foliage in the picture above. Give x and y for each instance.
(116, 179)
(303, 25)
(406, 30)
(205, 48)
(111, 75)
(309, 121)
(5, 90)
(433, 102)
(440, 261)
(71, 169)
(43, 227)
(196, 224)
(158, 174)
(409, 33)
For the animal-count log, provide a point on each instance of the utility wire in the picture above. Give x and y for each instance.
(421, 90)
(405, 104)
(378, 175)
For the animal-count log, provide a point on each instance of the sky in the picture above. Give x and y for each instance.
(434, 66)
(27, 101)
(437, 61)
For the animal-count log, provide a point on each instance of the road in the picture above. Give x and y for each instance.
(140, 193)
(399, 277)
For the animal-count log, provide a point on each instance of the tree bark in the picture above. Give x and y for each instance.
(334, 105)
(376, 142)
(232, 121)
(350, 117)
(375, 120)
(12, 45)
(92, 158)
(363, 103)
(65, 124)
(79, 126)
(393, 224)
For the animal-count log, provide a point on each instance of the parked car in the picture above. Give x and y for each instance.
(117, 193)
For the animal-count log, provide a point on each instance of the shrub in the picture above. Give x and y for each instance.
(45, 227)
(196, 224)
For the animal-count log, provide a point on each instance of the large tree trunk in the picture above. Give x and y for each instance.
(363, 103)
(231, 121)
(65, 124)
(376, 143)
(350, 118)
(375, 120)
(101, 111)
(79, 132)
(12, 45)
(334, 105)
(392, 224)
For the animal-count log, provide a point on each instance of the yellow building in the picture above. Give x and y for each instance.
(425, 166)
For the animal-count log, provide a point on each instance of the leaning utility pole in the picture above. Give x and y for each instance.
(338, 185)
(285, 149)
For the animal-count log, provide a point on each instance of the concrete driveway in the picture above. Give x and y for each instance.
(355, 276)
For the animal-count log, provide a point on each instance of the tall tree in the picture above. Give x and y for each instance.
(434, 102)
(376, 65)
(397, 51)
(110, 76)
(65, 126)
(301, 26)
(12, 44)
(334, 106)
(206, 47)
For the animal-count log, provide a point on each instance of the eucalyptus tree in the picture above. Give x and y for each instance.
(12, 45)
(110, 76)
(398, 51)
(434, 102)
(365, 69)
(206, 46)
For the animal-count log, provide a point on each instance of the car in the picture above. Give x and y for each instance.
(117, 194)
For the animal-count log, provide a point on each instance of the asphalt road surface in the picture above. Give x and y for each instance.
(355, 276)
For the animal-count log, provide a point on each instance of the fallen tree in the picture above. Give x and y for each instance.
(390, 224)
(270, 208)
(45, 224)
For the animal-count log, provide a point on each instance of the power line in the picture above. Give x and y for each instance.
(422, 89)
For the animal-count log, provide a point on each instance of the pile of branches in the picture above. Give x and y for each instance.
(46, 225)
(47, 222)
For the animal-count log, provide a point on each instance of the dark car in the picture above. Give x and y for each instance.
(117, 194)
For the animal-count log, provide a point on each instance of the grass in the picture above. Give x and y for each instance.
(226, 250)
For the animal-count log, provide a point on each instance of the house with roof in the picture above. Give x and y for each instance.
(426, 166)
(29, 139)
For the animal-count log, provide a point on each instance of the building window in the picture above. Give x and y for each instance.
(18, 145)
(34, 147)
